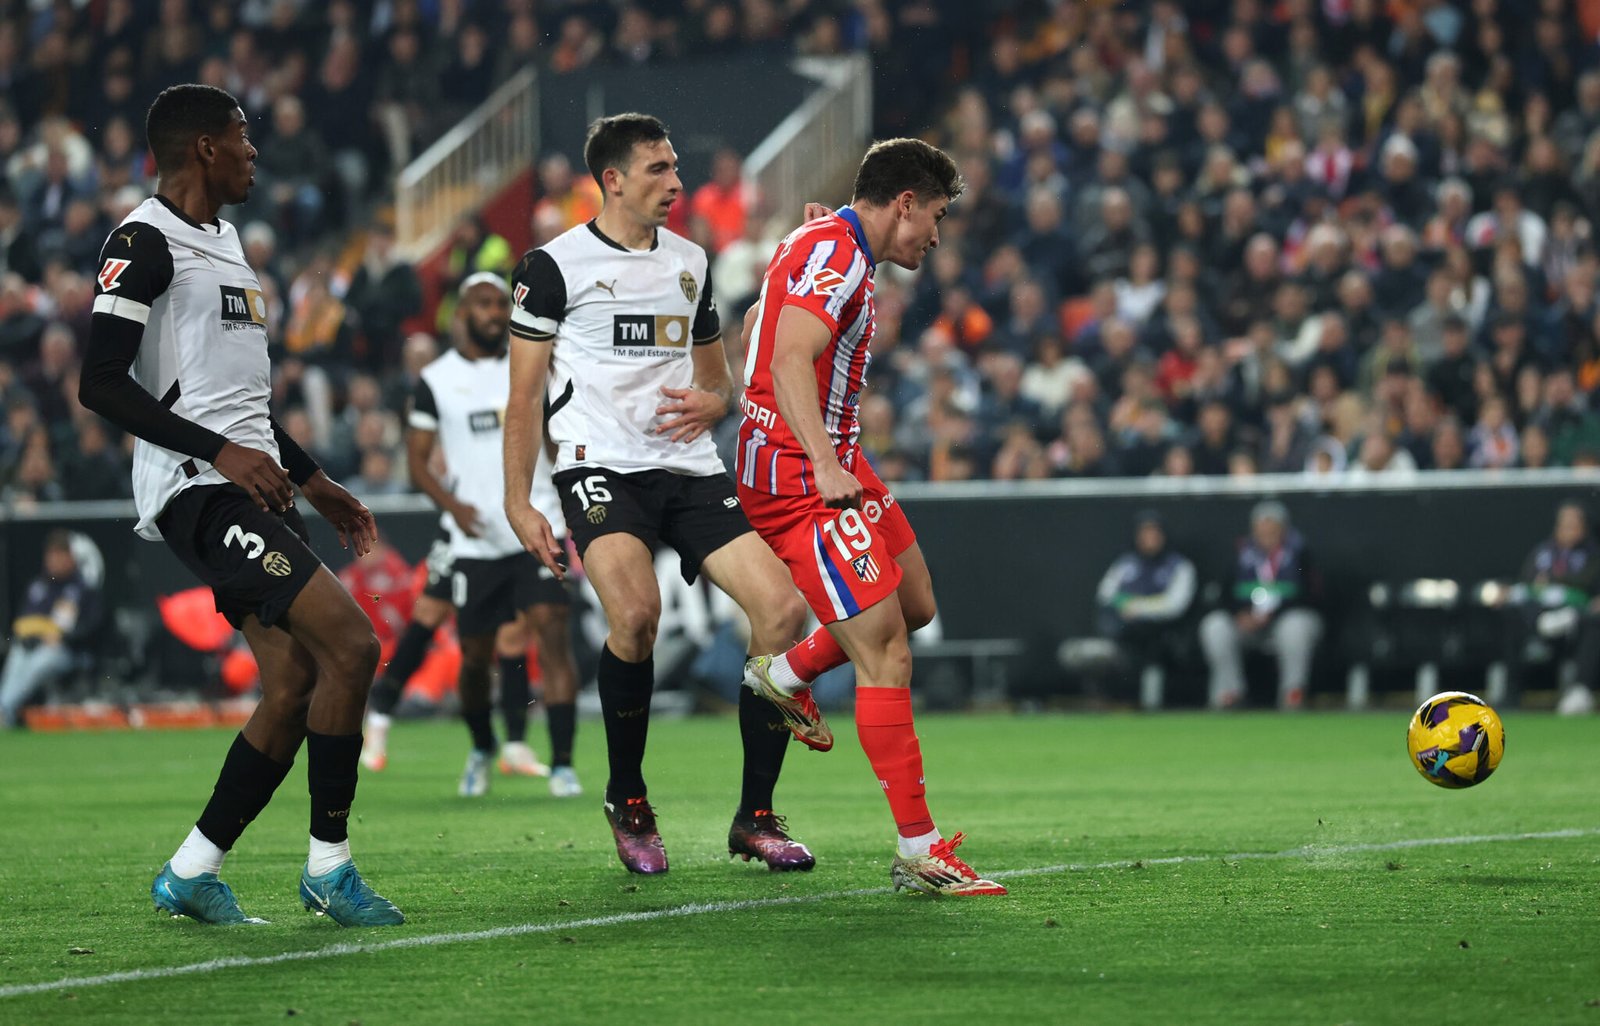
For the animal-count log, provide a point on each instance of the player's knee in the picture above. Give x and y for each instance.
(287, 705)
(637, 625)
(355, 661)
(784, 617)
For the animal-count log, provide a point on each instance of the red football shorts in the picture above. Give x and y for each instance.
(842, 560)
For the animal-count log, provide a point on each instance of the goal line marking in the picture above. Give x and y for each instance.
(1309, 851)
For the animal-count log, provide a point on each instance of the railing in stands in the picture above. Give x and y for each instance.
(467, 165)
(817, 145)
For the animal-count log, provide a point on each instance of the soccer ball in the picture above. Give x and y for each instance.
(1456, 740)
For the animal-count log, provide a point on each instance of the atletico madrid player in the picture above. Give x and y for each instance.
(813, 498)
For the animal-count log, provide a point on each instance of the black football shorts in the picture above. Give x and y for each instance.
(695, 515)
(490, 592)
(253, 561)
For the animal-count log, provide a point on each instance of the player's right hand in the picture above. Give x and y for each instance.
(814, 211)
(533, 531)
(258, 474)
(467, 518)
(838, 487)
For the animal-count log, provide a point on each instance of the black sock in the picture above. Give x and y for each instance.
(515, 694)
(563, 723)
(243, 789)
(766, 739)
(331, 761)
(476, 709)
(408, 655)
(625, 706)
(480, 724)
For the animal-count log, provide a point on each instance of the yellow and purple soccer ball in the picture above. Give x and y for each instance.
(1456, 740)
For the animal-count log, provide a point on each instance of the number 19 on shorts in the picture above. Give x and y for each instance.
(849, 534)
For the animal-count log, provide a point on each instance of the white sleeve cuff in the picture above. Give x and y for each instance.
(422, 421)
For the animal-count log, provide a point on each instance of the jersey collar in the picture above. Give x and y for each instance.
(854, 220)
(185, 218)
(655, 239)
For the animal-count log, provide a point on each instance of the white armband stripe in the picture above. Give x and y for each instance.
(523, 319)
(122, 306)
(423, 421)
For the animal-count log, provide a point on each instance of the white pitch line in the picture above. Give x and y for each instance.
(703, 908)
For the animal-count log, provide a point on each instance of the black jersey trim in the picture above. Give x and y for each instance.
(655, 239)
(185, 218)
(553, 408)
(171, 398)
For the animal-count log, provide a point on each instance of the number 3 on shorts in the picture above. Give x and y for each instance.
(848, 531)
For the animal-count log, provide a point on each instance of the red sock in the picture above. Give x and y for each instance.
(816, 655)
(883, 721)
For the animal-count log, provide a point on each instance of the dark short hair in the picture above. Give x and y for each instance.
(59, 540)
(895, 165)
(611, 140)
(181, 114)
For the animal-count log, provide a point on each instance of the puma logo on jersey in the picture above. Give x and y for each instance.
(610, 289)
(111, 272)
(128, 237)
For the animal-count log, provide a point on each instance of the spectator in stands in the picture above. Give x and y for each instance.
(721, 202)
(95, 468)
(18, 251)
(1271, 606)
(419, 350)
(569, 199)
(466, 81)
(292, 171)
(384, 293)
(34, 479)
(473, 248)
(58, 617)
(1145, 592)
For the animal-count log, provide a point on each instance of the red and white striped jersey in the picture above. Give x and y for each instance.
(825, 267)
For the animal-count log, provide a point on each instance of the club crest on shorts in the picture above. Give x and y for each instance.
(277, 564)
(865, 567)
(595, 514)
(691, 288)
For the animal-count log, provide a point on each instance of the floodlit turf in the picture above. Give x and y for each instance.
(1503, 932)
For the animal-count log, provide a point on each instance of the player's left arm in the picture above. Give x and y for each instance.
(693, 411)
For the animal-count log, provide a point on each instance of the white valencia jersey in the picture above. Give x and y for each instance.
(464, 401)
(204, 350)
(623, 323)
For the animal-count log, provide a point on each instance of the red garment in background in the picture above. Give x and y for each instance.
(381, 585)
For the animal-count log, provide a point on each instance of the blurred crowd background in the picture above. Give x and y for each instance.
(1220, 237)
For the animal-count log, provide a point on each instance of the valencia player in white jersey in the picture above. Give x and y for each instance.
(177, 357)
(460, 403)
(617, 351)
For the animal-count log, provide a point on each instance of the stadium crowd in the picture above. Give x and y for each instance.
(1342, 237)
(341, 95)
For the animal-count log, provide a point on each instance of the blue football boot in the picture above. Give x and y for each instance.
(203, 898)
(347, 899)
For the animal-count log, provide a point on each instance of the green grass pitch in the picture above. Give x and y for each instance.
(1497, 930)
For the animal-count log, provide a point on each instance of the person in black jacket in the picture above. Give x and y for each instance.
(1145, 592)
(59, 616)
(1558, 599)
(1269, 606)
